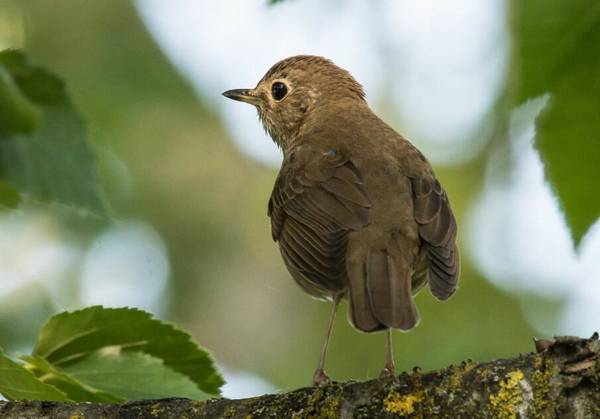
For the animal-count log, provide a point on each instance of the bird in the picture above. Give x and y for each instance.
(356, 209)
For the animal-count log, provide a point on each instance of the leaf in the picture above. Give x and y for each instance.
(74, 389)
(16, 383)
(71, 336)
(53, 162)
(19, 114)
(556, 51)
(133, 376)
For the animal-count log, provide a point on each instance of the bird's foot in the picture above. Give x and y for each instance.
(388, 372)
(320, 378)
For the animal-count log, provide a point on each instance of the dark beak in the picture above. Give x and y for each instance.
(243, 95)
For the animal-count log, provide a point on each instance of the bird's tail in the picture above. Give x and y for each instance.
(380, 293)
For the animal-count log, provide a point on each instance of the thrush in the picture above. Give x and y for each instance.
(356, 209)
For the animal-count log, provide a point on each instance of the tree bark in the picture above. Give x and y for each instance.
(561, 380)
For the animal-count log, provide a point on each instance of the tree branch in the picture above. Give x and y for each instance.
(561, 380)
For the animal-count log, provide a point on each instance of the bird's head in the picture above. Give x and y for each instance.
(293, 93)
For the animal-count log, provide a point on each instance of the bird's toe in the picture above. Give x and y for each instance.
(388, 372)
(320, 378)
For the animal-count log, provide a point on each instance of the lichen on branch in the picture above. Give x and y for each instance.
(561, 380)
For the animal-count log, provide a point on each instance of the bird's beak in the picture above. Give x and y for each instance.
(243, 95)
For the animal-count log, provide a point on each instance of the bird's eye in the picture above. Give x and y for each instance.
(279, 90)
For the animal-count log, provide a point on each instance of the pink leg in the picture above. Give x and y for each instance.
(320, 378)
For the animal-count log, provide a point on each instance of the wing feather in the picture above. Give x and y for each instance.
(437, 229)
(318, 198)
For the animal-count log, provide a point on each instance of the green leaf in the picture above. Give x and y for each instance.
(133, 376)
(19, 114)
(16, 383)
(556, 51)
(54, 162)
(69, 337)
(75, 390)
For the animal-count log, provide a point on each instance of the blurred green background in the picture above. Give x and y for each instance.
(166, 160)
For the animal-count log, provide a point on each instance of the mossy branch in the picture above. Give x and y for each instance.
(561, 380)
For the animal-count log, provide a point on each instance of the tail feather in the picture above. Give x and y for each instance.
(360, 313)
(389, 284)
(380, 294)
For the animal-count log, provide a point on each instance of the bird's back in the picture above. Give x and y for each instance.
(357, 210)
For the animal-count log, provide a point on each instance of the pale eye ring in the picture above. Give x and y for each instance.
(278, 90)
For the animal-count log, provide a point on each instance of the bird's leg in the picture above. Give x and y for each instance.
(320, 378)
(389, 369)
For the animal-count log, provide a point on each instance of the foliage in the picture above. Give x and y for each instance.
(556, 51)
(16, 383)
(95, 354)
(110, 355)
(44, 150)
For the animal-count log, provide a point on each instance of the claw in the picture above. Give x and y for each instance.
(388, 372)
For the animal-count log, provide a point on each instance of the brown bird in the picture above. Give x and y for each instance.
(356, 208)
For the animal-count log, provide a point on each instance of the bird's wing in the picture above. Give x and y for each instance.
(437, 229)
(318, 198)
